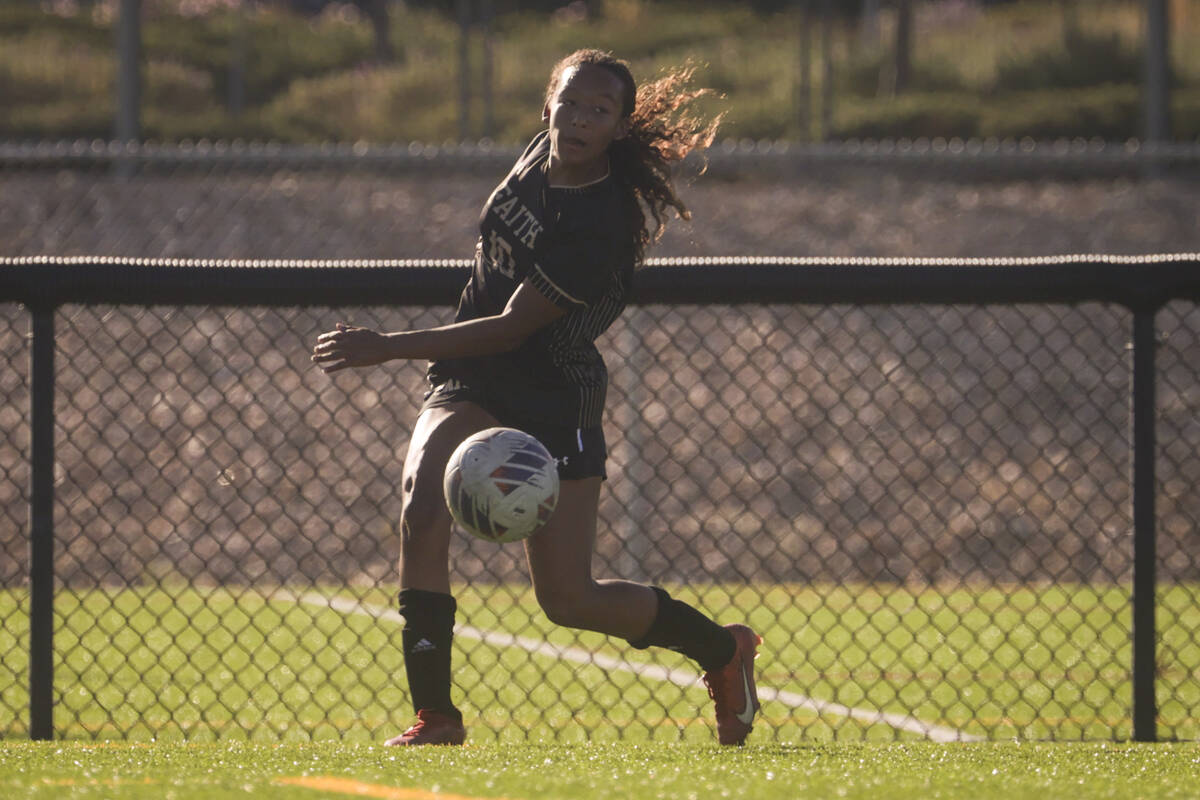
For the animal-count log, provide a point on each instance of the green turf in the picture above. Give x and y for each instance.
(921, 771)
(172, 662)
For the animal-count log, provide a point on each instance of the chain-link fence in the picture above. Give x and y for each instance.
(925, 509)
(14, 519)
(1179, 437)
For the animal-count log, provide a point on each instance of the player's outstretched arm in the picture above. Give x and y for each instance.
(350, 346)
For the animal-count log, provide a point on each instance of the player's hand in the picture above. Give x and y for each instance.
(350, 346)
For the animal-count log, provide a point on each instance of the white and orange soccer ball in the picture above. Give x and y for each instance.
(501, 485)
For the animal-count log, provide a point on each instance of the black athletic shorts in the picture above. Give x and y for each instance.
(580, 452)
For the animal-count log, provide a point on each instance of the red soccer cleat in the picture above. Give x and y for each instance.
(432, 727)
(732, 688)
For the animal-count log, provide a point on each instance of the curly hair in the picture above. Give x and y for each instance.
(663, 129)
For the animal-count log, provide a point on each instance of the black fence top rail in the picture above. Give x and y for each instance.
(1141, 282)
(729, 156)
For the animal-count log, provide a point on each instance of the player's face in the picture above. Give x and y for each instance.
(585, 117)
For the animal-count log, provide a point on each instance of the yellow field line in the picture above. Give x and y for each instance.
(326, 783)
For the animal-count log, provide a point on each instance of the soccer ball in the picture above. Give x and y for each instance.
(501, 485)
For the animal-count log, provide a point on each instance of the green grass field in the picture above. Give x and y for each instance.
(173, 662)
(581, 772)
(181, 691)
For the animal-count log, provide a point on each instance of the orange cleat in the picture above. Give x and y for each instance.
(432, 727)
(732, 688)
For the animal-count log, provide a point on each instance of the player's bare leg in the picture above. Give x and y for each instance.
(425, 598)
(560, 562)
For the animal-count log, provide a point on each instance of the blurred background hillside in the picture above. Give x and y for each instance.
(305, 71)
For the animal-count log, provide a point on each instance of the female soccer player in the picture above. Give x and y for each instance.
(559, 240)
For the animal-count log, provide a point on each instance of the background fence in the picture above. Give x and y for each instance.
(918, 479)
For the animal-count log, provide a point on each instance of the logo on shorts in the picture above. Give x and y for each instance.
(562, 462)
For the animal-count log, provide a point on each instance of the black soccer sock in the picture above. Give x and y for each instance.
(679, 627)
(427, 635)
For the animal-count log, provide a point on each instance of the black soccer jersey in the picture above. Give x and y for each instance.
(574, 245)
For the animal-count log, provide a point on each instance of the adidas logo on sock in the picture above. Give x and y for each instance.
(422, 646)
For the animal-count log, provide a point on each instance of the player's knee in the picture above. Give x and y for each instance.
(569, 606)
(422, 520)
(561, 611)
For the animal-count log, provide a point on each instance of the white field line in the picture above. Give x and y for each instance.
(680, 677)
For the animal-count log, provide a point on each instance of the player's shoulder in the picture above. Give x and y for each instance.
(535, 155)
(539, 143)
